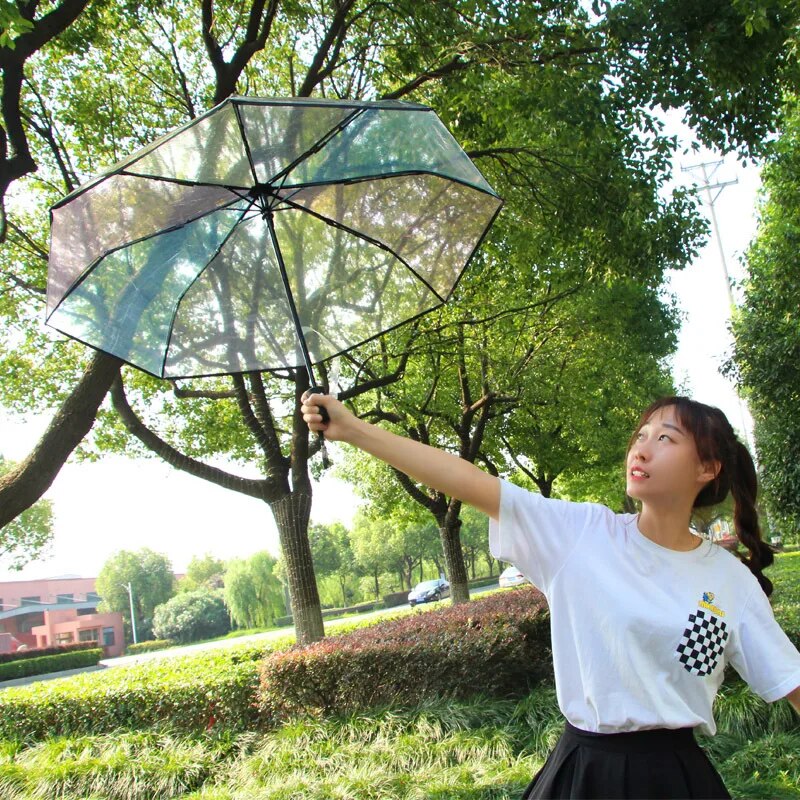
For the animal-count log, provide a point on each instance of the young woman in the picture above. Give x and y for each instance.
(645, 614)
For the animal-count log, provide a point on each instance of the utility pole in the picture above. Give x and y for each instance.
(133, 615)
(713, 189)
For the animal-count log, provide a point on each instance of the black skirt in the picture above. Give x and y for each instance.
(658, 763)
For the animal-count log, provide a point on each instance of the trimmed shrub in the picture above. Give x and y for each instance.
(19, 655)
(149, 647)
(498, 646)
(57, 663)
(192, 617)
(395, 599)
(188, 694)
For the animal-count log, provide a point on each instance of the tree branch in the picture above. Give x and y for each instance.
(260, 489)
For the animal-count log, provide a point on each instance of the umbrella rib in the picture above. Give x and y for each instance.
(365, 237)
(388, 176)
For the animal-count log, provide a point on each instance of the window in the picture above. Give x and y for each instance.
(64, 638)
(67, 597)
(24, 624)
(30, 601)
(89, 635)
(108, 637)
(93, 597)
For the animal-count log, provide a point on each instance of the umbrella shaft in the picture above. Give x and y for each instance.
(290, 299)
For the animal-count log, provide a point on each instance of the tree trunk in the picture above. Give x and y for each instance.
(292, 513)
(377, 585)
(454, 560)
(23, 486)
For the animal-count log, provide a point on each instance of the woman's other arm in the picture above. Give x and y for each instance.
(441, 471)
(794, 699)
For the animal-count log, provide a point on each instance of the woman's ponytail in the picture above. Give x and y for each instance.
(744, 487)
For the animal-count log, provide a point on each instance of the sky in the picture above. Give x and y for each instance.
(123, 504)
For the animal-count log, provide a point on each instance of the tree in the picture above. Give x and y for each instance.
(766, 329)
(141, 578)
(27, 537)
(253, 593)
(192, 616)
(333, 555)
(204, 572)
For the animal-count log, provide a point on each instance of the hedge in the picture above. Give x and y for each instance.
(45, 664)
(19, 655)
(327, 613)
(183, 694)
(498, 646)
(148, 647)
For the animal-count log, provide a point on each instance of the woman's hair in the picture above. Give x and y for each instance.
(716, 440)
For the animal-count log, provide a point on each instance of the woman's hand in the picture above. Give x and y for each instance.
(341, 421)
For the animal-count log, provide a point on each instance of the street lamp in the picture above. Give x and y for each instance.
(133, 616)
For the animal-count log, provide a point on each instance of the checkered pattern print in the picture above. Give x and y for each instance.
(702, 643)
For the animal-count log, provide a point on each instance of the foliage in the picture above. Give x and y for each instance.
(192, 616)
(481, 749)
(150, 646)
(498, 645)
(785, 575)
(46, 651)
(149, 576)
(333, 556)
(202, 572)
(118, 766)
(766, 359)
(28, 537)
(253, 592)
(54, 663)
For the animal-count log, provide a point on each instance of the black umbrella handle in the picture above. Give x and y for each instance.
(322, 410)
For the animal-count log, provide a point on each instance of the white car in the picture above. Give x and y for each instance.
(512, 577)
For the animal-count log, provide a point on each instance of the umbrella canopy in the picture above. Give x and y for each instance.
(267, 234)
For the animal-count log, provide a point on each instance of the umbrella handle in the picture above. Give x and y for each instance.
(322, 410)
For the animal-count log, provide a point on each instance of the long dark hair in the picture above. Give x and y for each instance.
(716, 440)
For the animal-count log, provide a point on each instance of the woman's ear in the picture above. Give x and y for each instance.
(709, 471)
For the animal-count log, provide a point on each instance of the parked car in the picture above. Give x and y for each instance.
(429, 591)
(511, 577)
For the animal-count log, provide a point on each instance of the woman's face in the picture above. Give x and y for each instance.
(663, 465)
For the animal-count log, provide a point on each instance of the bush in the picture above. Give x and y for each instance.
(395, 599)
(56, 663)
(192, 694)
(149, 647)
(498, 646)
(191, 617)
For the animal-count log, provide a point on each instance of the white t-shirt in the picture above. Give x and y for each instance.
(640, 633)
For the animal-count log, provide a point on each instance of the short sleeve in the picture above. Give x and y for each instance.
(762, 653)
(537, 534)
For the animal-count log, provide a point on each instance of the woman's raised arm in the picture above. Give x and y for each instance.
(428, 465)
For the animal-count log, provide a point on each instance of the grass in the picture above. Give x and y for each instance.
(482, 749)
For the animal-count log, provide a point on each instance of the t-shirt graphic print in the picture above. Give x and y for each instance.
(703, 643)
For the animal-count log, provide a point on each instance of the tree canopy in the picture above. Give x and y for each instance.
(766, 360)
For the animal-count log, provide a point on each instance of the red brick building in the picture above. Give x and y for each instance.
(57, 611)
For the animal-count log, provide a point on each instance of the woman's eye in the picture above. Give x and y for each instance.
(664, 436)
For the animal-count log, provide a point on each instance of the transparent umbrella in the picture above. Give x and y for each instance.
(267, 234)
